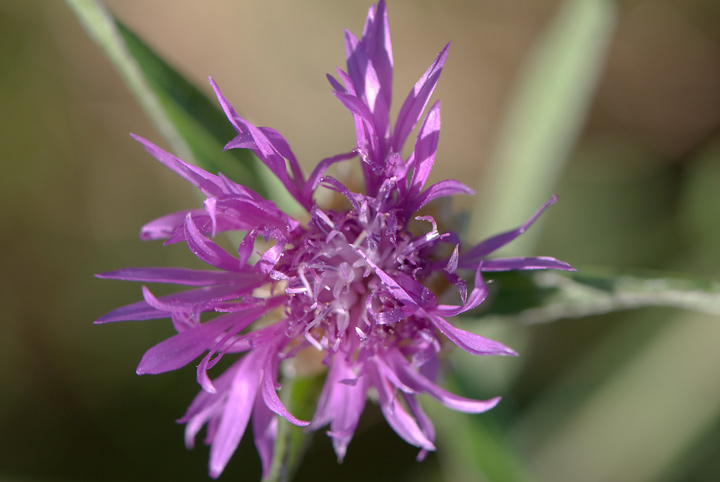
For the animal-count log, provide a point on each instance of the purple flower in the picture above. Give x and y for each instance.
(352, 284)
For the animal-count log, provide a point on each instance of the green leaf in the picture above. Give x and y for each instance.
(299, 395)
(547, 296)
(193, 125)
(543, 120)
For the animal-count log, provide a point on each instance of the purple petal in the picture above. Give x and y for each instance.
(448, 187)
(269, 146)
(365, 79)
(358, 108)
(206, 406)
(208, 251)
(416, 101)
(237, 411)
(319, 171)
(419, 292)
(181, 349)
(390, 283)
(423, 421)
(541, 262)
(376, 38)
(470, 342)
(452, 263)
(196, 176)
(342, 428)
(337, 186)
(325, 411)
(425, 149)
(394, 315)
(241, 214)
(474, 255)
(273, 401)
(337, 86)
(230, 112)
(201, 297)
(387, 373)
(230, 342)
(450, 400)
(397, 417)
(189, 277)
(265, 433)
(283, 148)
(340, 404)
(165, 226)
(477, 296)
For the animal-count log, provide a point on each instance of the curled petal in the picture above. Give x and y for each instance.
(208, 251)
(477, 296)
(399, 419)
(413, 378)
(470, 342)
(273, 401)
(448, 187)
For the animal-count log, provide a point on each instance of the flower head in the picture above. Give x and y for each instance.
(354, 284)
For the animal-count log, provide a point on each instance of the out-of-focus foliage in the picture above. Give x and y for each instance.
(626, 396)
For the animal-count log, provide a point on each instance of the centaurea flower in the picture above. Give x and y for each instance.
(352, 284)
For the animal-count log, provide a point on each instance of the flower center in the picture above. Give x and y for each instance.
(336, 297)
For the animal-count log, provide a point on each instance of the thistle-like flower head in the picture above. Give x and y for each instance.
(354, 284)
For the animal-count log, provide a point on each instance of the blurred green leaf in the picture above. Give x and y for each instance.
(299, 395)
(547, 296)
(543, 119)
(196, 129)
(474, 448)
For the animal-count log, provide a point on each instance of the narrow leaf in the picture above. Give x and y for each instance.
(542, 297)
(474, 448)
(544, 118)
(192, 124)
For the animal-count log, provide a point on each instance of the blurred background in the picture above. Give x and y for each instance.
(632, 396)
